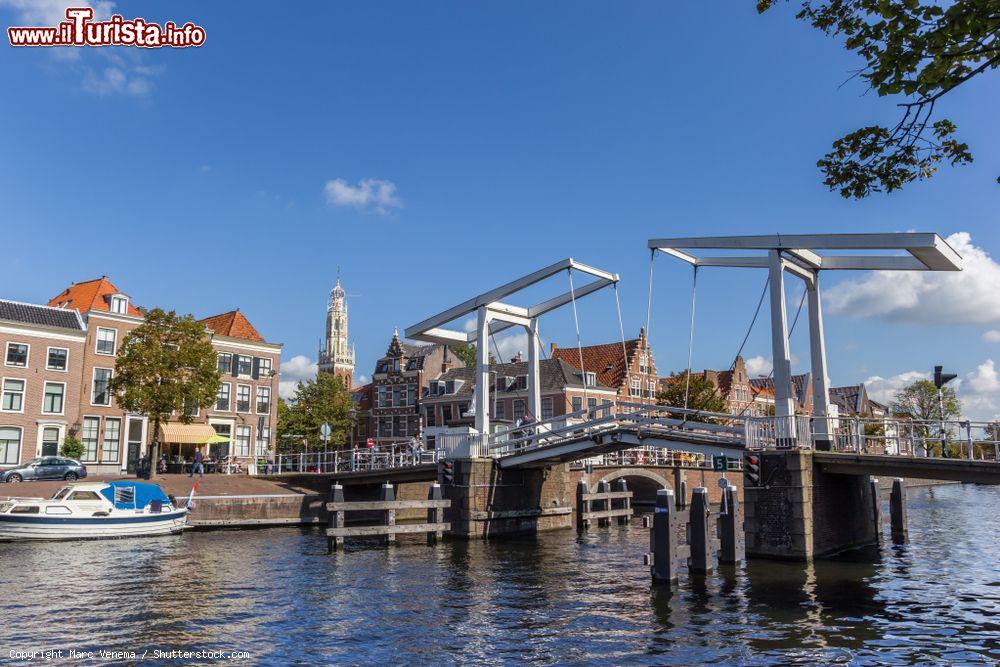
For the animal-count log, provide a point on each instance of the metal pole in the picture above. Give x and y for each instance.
(783, 406)
(944, 440)
(821, 380)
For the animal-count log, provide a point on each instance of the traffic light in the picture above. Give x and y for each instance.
(447, 472)
(751, 469)
(941, 379)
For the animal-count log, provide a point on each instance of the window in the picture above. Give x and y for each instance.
(52, 400)
(263, 400)
(411, 394)
(518, 411)
(112, 440)
(57, 359)
(445, 414)
(106, 340)
(449, 387)
(398, 396)
(501, 410)
(263, 367)
(13, 395)
(242, 441)
(17, 354)
(634, 388)
(263, 441)
(591, 379)
(84, 495)
(591, 404)
(547, 408)
(91, 427)
(577, 404)
(119, 304)
(10, 445)
(222, 398)
(431, 414)
(242, 398)
(522, 382)
(384, 400)
(398, 426)
(102, 392)
(225, 363)
(395, 364)
(191, 407)
(244, 365)
(220, 450)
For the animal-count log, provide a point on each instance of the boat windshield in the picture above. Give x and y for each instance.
(61, 493)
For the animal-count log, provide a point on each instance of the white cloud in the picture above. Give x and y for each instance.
(297, 369)
(51, 12)
(984, 379)
(991, 336)
(758, 366)
(364, 379)
(369, 194)
(884, 390)
(964, 297)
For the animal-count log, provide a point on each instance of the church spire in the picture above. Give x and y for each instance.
(337, 355)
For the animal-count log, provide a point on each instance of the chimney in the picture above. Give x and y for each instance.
(552, 348)
(517, 358)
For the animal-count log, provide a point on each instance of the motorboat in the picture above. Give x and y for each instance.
(92, 510)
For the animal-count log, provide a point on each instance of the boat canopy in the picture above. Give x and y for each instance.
(126, 494)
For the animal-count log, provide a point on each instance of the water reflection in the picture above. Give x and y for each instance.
(556, 598)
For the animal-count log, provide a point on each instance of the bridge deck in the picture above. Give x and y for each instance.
(882, 465)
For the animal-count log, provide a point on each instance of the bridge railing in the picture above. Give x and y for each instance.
(349, 460)
(974, 440)
(654, 456)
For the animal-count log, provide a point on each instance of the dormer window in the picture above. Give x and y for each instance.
(119, 304)
(449, 387)
(591, 379)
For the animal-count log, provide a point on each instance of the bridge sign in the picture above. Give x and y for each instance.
(325, 431)
(720, 463)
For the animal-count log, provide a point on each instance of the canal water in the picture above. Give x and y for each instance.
(555, 599)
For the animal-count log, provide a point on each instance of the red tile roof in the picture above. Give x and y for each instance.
(90, 295)
(604, 360)
(233, 324)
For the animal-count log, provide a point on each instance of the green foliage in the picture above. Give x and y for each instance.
(325, 399)
(701, 396)
(72, 448)
(921, 50)
(919, 400)
(467, 353)
(164, 364)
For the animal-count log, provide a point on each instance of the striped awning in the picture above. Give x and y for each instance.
(185, 433)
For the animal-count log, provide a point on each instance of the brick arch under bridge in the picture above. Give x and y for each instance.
(641, 473)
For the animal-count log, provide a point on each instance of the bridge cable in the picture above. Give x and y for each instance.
(579, 343)
(621, 329)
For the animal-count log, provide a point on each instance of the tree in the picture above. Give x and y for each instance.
(165, 365)
(702, 395)
(467, 353)
(325, 399)
(919, 400)
(72, 448)
(921, 49)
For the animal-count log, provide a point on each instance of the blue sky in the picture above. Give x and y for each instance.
(494, 138)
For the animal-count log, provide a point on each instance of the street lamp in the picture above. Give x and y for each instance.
(940, 380)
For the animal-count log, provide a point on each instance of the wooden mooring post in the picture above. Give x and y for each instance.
(663, 539)
(732, 541)
(625, 503)
(702, 560)
(598, 506)
(876, 510)
(386, 505)
(897, 512)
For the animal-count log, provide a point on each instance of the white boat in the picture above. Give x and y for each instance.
(92, 510)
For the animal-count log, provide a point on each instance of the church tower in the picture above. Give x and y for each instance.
(337, 357)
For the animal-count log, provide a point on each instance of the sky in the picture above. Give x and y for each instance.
(432, 151)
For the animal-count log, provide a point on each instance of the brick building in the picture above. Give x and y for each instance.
(114, 441)
(561, 386)
(632, 372)
(401, 376)
(43, 352)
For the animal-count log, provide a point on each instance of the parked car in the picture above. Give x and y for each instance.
(46, 467)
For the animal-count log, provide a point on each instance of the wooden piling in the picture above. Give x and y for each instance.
(336, 519)
(699, 537)
(682, 491)
(604, 505)
(732, 542)
(897, 511)
(582, 506)
(388, 494)
(876, 509)
(663, 539)
(626, 503)
(435, 515)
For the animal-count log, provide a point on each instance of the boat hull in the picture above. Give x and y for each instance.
(30, 527)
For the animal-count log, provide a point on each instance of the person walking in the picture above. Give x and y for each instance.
(198, 463)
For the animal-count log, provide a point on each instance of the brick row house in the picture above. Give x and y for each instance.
(43, 349)
(401, 377)
(68, 349)
(631, 372)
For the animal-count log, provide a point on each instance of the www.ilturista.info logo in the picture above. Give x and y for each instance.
(81, 30)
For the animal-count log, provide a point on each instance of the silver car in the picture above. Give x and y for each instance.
(46, 467)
